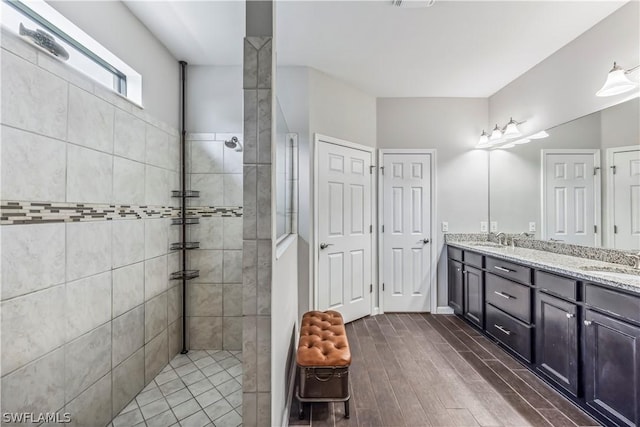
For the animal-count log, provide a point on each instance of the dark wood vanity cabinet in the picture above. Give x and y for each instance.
(612, 368)
(474, 295)
(557, 341)
(455, 286)
(583, 338)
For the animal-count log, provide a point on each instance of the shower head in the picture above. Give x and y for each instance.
(234, 143)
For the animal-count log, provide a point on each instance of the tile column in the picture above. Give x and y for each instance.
(257, 230)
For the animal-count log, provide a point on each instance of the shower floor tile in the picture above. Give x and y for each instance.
(201, 388)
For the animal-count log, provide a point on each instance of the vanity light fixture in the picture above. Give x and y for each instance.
(484, 139)
(496, 134)
(499, 134)
(511, 130)
(617, 81)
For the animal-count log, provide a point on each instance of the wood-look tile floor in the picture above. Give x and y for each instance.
(435, 370)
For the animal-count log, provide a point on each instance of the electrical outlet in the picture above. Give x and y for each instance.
(445, 227)
(532, 227)
(494, 226)
(484, 227)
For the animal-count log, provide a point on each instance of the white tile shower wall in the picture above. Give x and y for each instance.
(88, 312)
(213, 299)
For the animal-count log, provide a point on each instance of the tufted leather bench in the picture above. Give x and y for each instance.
(323, 360)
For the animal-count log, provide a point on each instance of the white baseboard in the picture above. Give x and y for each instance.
(444, 310)
(375, 311)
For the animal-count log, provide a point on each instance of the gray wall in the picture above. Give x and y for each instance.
(89, 315)
(339, 110)
(451, 126)
(132, 42)
(214, 99)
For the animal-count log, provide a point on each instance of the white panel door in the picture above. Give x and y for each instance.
(344, 230)
(570, 198)
(626, 199)
(407, 232)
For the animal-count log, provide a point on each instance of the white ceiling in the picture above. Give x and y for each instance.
(199, 32)
(453, 49)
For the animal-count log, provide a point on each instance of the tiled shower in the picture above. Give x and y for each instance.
(89, 314)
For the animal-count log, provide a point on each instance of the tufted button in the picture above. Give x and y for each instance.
(323, 340)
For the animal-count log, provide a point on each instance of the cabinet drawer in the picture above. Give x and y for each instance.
(509, 270)
(509, 331)
(557, 285)
(624, 305)
(454, 253)
(473, 259)
(509, 296)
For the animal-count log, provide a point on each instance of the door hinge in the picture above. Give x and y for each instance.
(615, 229)
(371, 168)
(371, 288)
(383, 287)
(371, 229)
(382, 170)
(613, 168)
(595, 228)
(383, 228)
(595, 170)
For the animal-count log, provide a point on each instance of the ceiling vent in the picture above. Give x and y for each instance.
(413, 3)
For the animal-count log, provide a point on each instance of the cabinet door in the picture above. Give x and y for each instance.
(557, 341)
(455, 286)
(473, 295)
(612, 368)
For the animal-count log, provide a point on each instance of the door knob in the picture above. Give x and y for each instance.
(325, 245)
(425, 241)
(587, 322)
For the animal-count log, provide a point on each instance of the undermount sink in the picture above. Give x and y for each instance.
(486, 244)
(617, 272)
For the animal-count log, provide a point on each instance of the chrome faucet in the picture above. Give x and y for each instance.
(499, 236)
(525, 234)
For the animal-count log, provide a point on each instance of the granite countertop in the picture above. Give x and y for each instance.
(561, 264)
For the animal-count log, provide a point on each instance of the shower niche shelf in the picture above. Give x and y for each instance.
(187, 221)
(184, 245)
(185, 275)
(188, 193)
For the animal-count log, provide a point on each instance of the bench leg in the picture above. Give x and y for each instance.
(346, 409)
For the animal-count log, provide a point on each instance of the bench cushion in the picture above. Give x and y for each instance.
(323, 340)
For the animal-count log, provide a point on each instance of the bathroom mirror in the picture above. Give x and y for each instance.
(580, 185)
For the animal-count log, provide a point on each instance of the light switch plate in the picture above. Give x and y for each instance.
(532, 227)
(445, 227)
(494, 226)
(484, 227)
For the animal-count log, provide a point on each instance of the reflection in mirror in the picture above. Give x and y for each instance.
(581, 185)
(286, 176)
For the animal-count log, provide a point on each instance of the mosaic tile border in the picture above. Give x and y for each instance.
(614, 256)
(17, 212)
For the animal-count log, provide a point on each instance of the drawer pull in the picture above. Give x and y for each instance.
(506, 270)
(570, 315)
(587, 322)
(503, 330)
(503, 295)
